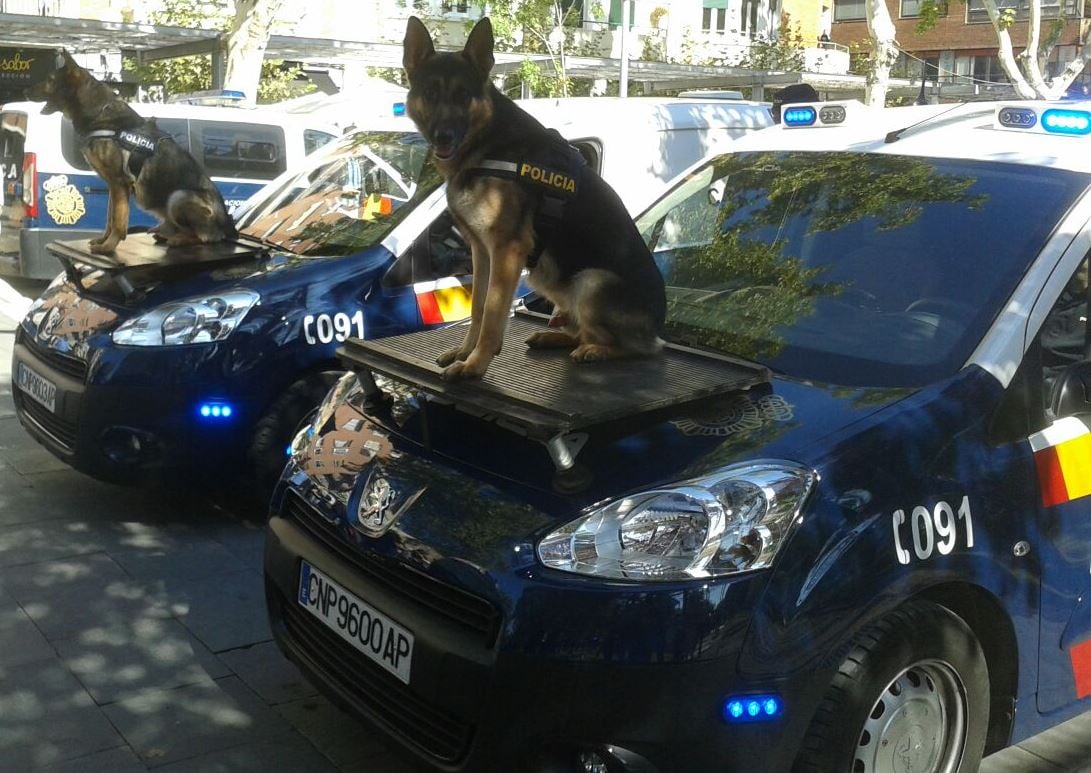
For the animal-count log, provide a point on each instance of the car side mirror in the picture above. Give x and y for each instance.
(1071, 392)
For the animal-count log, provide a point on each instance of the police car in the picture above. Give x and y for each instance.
(209, 358)
(861, 544)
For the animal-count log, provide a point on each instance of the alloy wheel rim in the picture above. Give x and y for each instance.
(917, 724)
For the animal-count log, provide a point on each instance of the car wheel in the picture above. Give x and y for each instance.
(288, 414)
(912, 695)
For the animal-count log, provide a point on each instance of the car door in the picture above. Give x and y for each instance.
(1060, 361)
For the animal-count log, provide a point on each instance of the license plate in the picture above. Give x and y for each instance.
(38, 389)
(357, 622)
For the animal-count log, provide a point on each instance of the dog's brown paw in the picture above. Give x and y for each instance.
(594, 353)
(450, 356)
(551, 339)
(97, 241)
(104, 248)
(463, 371)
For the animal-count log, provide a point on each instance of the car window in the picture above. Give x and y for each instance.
(347, 197)
(13, 132)
(858, 269)
(234, 150)
(313, 139)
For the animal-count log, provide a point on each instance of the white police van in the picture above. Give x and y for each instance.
(50, 192)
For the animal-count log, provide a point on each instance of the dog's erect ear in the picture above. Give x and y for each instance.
(478, 48)
(67, 61)
(417, 48)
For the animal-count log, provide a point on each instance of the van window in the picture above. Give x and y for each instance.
(238, 149)
(73, 155)
(13, 133)
(314, 139)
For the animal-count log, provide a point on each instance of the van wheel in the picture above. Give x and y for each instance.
(288, 414)
(911, 695)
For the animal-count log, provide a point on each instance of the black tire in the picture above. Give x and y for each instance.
(884, 697)
(286, 415)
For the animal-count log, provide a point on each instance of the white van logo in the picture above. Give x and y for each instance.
(63, 201)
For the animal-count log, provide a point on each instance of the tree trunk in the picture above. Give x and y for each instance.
(1030, 56)
(884, 52)
(1007, 56)
(245, 44)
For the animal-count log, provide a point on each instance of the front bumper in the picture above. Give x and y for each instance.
(528, 694)
(119, 429)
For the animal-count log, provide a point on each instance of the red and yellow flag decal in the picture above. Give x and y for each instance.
(1062, 454)
(1081, 668)
(445, 300)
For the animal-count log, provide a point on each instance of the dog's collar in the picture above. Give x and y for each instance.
(109, 133)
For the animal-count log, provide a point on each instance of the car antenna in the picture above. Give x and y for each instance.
(896, 135)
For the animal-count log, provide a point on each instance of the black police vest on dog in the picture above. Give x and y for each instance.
(141, 146)
(554, 173)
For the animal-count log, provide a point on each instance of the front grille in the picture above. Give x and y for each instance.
(471, 612)
(64, 432)
(378, 694)
(63, 363)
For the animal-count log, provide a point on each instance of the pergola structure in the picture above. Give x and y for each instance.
(149, 42)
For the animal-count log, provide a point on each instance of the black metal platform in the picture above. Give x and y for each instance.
(544, 391)
(141, 251)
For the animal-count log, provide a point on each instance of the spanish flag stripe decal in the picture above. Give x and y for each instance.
(1062, 455)
(444, 300)
(1081, 668)
(429, 310)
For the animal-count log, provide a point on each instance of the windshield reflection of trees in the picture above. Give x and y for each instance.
(352, 200)
(741, 283)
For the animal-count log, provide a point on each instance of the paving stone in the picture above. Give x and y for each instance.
(48, 717)
(65, 613)
(247, 543)
(194, 558)
(268, 673)
(119, 760)
(20, 640)
(340, 737)
(226, 612)
(32, 582)
(1017, 760)
(165, 726)
(144, 653)
(1067, 745)
(281, 757)
(30, 544)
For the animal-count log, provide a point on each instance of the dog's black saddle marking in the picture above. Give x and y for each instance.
(553, 170)
(141, 145)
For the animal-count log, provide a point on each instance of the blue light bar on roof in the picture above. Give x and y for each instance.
(215, 410)
(1060, 121)
(804, 115)
(399, 108)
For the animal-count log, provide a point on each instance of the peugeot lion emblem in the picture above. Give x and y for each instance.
(376, 511)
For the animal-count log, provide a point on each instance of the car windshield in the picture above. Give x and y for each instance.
(848, 268)
(348, 198)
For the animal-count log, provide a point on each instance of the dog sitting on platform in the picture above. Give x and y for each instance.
(523, 197)
(133, 156)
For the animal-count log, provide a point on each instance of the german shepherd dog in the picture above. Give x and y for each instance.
(131, 154)
(594, 267)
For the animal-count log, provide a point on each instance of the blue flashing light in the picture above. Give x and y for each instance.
(752, 708)
(799, 116)
(1067, 121)
(215, 410)
(288, 450)
(399, 108)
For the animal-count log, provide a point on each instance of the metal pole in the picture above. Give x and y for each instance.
(623, 84)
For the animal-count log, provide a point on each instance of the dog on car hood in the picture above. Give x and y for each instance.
(132, 155)
(523, 197)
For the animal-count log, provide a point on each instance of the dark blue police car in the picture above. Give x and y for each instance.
(843, 524)
(210, 358)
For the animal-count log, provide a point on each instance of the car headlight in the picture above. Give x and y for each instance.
(733, 521)
(192, 321)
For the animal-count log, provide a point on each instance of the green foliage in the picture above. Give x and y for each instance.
(657, 15)
(194, 73)
(783, 52)
(931, 11)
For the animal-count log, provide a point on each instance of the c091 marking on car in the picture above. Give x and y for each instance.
(324, 328)
(932, 530)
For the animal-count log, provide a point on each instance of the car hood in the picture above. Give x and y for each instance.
(441, 482)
